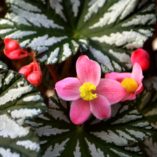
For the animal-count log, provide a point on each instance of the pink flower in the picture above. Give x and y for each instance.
(13, 50)
(88, 92)
(32, 73)
(131, 82)
(141, 57)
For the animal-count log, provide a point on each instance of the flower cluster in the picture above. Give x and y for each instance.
(32, 71)
(90, 93)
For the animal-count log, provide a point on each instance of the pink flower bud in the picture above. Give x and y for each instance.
(13, 50)
(141, 57)
(11, 44)
(32, 73)
(35, 78)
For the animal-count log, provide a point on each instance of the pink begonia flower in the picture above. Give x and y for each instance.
(131, 82)
(141, 57)
(88, 92)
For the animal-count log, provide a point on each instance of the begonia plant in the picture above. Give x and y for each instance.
(78, 78)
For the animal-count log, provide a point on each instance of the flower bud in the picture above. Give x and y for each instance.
(32, 73)
(141, 57)
(35, 78)
(13, 50)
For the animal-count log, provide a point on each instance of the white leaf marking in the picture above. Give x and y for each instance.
(75, 6)
(29, 145)
(94, 151)
(10, 128)
(32, 98)
(77, 152)
(120, 9)
(56, 150)
(14, 94)
(111, 137)
(8, 153)
(53, 56)
(128, 39)
(94, 6)
(25, 113)
(104, 59)
(48, 130)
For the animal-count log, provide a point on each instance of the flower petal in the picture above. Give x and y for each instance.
(112, 90)
(100, 107)
(79, 111)
(68, 88)
(131, 96)
(117, 76)
(139, 89)
(88, 70)
(137, 73)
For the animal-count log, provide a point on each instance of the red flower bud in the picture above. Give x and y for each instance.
(141, 57)
(32, 73)
(13, 50)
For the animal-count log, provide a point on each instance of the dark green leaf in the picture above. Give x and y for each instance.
(19, 102)
(110, 29)
(120, 136)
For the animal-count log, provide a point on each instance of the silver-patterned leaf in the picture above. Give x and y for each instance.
(3, 65)
(110, 29)
(119, 136)
(151, 146)
(19, 102)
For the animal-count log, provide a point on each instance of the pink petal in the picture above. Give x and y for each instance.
(137, 73)
(79, 111)
(131, 96)
(68, 88)
(100, 107)
(88, 70)
(139, 89)
(117, 76)
(112, 90)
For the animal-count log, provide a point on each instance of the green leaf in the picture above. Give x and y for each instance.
(147, 101)
(3, 65)
(151, 146)
(120, 136)
(147, 105)
(19, 102)
(110, 29)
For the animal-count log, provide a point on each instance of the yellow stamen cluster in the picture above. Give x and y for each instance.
(87, 91)
(130, 85)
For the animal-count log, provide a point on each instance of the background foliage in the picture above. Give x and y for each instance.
(59, 31)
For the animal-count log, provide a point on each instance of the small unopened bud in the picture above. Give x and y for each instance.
(32, 73)
(13, 50)
(141, 57)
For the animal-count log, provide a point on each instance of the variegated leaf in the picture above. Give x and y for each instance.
(19, 102)
(147, 102)
(119, 136)
(147, 105)
(151, 146)
(3, 65)
(110, 29)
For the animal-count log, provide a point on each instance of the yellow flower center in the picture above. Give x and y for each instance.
(87, 91)
(129, 84)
